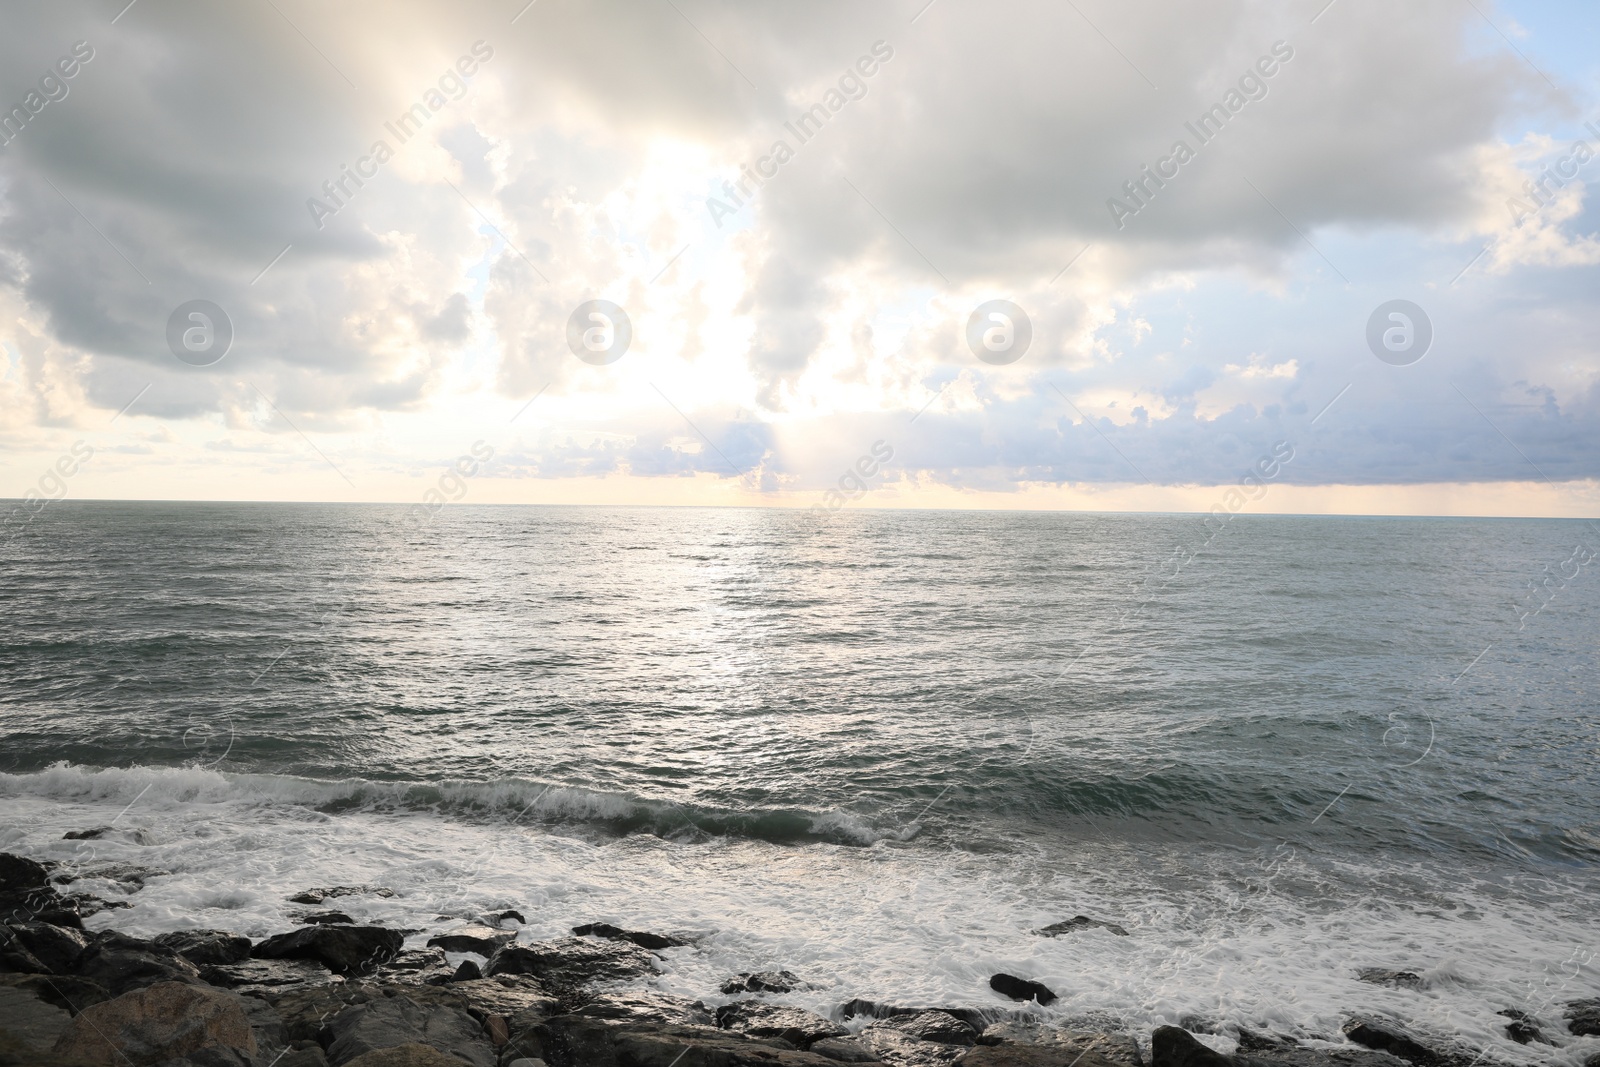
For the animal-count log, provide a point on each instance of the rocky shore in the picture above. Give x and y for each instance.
(333, 992)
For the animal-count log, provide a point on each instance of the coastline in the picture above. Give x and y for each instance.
(476, 988)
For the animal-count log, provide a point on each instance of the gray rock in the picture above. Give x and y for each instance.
(843, 1049)
(56, 947)
(647, 1006)
(317, 896)
(897, 1048)
(257, 976)
(1393, 979)
(166, 1023)
(1052, 1055)
(324, 918)
(122, 963)
(1173, 1046)
(1080, 922)
(938, 1026)
(1523, 1028)
(521, 1002)
(763, 982)
(480, 939)
(413, 966)
(1583, 1017)
(794, 1025)
(1117, 1047)
(642, 938)
(67, 992)
(29, 1021)
(1021, 989)
(572, 961)
(389, 1021)
(205, 947)
(342, 949)
(128, 877)
(135, 835)
(977, 1018)
(576, 1041)
(1387, 1036)
(17, 872)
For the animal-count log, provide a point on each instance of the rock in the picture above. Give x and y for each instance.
(794, 1025)
(510, 913)
(128, 877)
(1394, 1039)
(648, 1006)
(977, 1018)
(398, 1019)
(87, 904)
(204, 947)
(1394, 979)
(1583, 1017)
(1052, 1055)
(480, 939)
(158, 1025)
(521, 1001)
(309, 1056)
(572, 961)
(1117, 1048)
(427, 966)
(467, 972)
(843, 1049)
(29, 1021)
(576, 1041)
(135, 835)
(1173, 1046)
(897, 1048)
(763, 982)
(1021, 989)
(317, 896)
(255, 976)
(1261, 1041)
(56, 947)
(41, 903)
(325, 918)
(938, 1026)
(1523, 1028)
(122, 963)
(16, 873)
(642, 938)
(1080, 922)
(405, 1056)
(67, 992)
(342, 949)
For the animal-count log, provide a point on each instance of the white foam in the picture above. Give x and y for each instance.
(892, 921)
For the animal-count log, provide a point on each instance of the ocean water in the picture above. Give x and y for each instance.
(878, 751)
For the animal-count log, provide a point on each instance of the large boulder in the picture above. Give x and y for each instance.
(760, 1019)
(397, 1019)
(57, 948)
(648, 1006)
(28, 1022)
(1173, 1046)
(1387, 1036)
(1021, 989)
(844, 1050)
(251, 977)
(938, 1026)
(572, 961)
(203, 947)
(977, 1018)
(163, 1023)
(345, 950)
(893, 1046)
(1583, 1017)
(122, 963)
(20, 873)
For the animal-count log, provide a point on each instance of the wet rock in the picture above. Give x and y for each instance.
(122, 963)
(29, 1022)
(467, 972)
(763, 982)
(205, 947)
(1051, 1055)
(897, 1048)
(844, 1050)
(977, 1018)
(572, 961)
(1080, 922)
(1021, 989)
(1173, 1046)
(310, 1055)
(255, 976)
(39, 903)
(510, 913)
(642, 938)
(405, 1056)
(67, 992)
(317, 896)
(576, 1041)
(134, 835)
(1523, 1028)
(20, 873)
(647, 1006)
(1116, 1047)
(1393, 979)
(519, 1001)
(480, 939)
(1391, 1037)
(938, 1026)
(128, 877)
(324, 918)
(56, 947)
(398, 1019)
(794, 1025)
(1583, 1017)
(158, 1025)
(87, 904)
(343, 950)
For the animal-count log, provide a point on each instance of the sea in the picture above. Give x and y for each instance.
(879, 749)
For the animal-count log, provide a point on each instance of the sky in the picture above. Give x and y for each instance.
(1314, 257)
